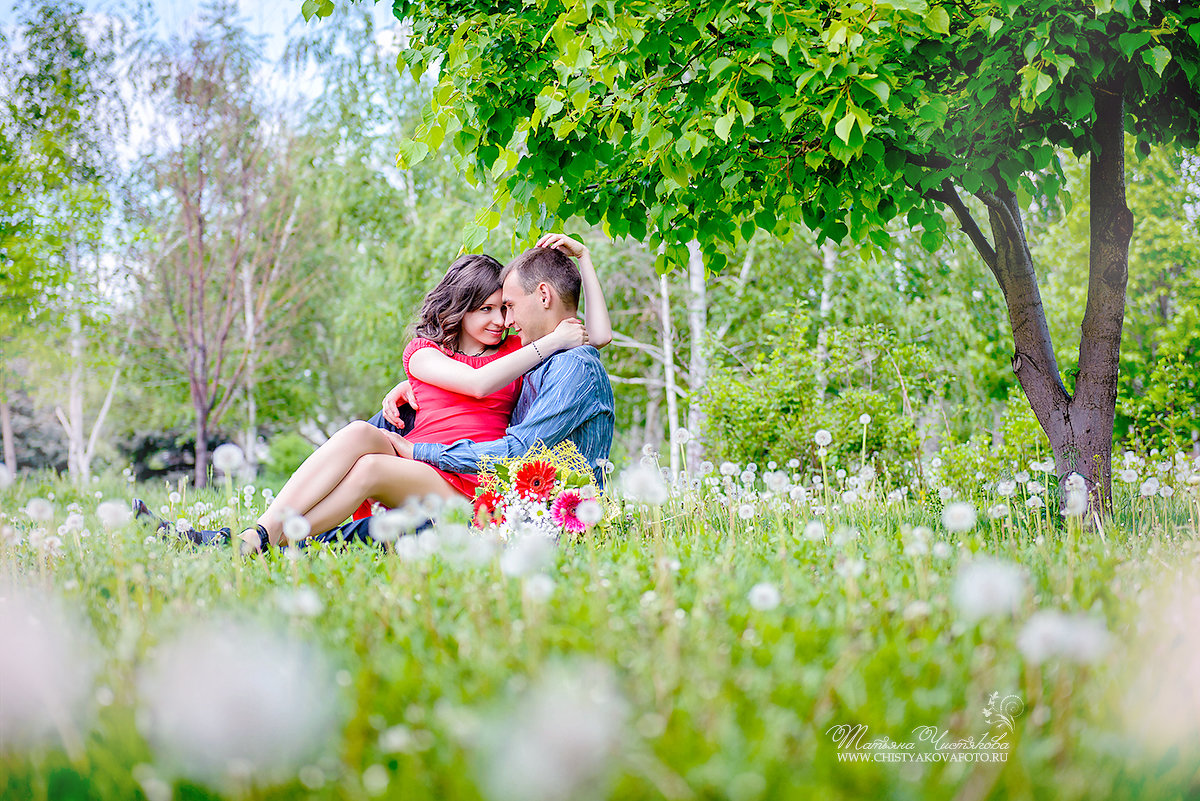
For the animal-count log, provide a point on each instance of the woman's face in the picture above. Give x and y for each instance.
(484, 325)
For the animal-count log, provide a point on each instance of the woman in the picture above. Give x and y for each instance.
(466, 378)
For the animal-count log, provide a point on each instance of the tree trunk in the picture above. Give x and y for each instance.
(6, 432)
(829, 257)
(1080, 428)
(670, 385)
(250, 436)
(1094, 406)
(698, 358)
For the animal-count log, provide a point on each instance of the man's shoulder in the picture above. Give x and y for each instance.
(584, 359)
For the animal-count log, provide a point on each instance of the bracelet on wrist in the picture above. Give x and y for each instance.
(538, 351)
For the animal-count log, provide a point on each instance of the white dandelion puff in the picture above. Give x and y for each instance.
(764, 596)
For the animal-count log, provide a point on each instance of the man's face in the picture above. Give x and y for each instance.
(524, 310)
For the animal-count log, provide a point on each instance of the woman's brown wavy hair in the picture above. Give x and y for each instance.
(470, 281)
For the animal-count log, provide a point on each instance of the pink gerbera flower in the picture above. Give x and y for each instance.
(563, 511)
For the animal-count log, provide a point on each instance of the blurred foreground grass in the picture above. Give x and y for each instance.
(704, 649)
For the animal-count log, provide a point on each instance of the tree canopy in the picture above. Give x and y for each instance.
(670, 122)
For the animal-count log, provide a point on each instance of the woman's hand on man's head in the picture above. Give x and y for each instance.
(563, 244)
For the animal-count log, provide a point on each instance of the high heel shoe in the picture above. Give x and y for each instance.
(256, 543)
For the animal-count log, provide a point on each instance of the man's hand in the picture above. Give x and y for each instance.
(402, 446)
(563, 244)
(402, 392)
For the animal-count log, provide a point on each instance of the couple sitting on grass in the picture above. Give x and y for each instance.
(477, 394)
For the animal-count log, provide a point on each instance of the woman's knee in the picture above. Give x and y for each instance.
(360, 433)
(367, 473)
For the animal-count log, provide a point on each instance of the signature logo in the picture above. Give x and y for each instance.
(1003, 712)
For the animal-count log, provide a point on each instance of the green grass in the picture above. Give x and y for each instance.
(720, 700)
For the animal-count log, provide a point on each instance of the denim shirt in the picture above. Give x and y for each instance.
(568, 396)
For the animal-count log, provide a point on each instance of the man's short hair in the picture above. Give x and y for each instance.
(546, 264)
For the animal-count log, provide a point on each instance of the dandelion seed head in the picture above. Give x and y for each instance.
(271, 711)
(764, 596)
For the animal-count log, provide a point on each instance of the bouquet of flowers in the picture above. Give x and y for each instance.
(547, 491)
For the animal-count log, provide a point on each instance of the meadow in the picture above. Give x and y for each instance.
(717, 638)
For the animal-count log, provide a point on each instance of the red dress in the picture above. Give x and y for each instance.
(445, 416)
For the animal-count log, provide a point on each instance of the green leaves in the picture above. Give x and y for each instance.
(938, 21)
(318, 8)
(1157, 58)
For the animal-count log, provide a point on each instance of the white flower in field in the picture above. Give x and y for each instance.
(228, 458)
(729, 469)
(747, 477)
(1034, 502)
(416, 548)
(1035, 487)
(864, 419)
(559, 739)
(39, 510)
(300, 602)
(1005, 488)
(1076, 503)
(823, 438)
(537, 588)
(113, 514)
(844, 535)
(1075, 482)
(10, 536)
(1022, 477)
(1166, 491)
(746, 511)
(917, 610)
(681, 436)
(648, 450)
(959, 517)
(764, 596)
(999, 511)
(6, 476)
(46, 669)
(988, 586)
(645, 484)
(225, 701)
(776, 481)
(942, 550)
(814, 531)
(916, 548)
(705, 468)
(850, 568)
(945, 493)
(387, 526)
(527, 554)
(1148, 489)
(174, 497)
(936, 462)
(1076, 638)
(866, 474)
(798, 494)
(793, 464)
(296, 528)
(183, 524)
(74, 522)
(50, 547)
(589, 512)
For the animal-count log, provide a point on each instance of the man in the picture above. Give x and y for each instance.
(567, 397)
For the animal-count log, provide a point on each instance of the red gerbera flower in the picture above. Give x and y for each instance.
(489, 508)
(535, 480)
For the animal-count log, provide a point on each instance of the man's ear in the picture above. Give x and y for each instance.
(546, 294)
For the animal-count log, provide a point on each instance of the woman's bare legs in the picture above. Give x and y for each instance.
(323, 471)
(388, 479)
